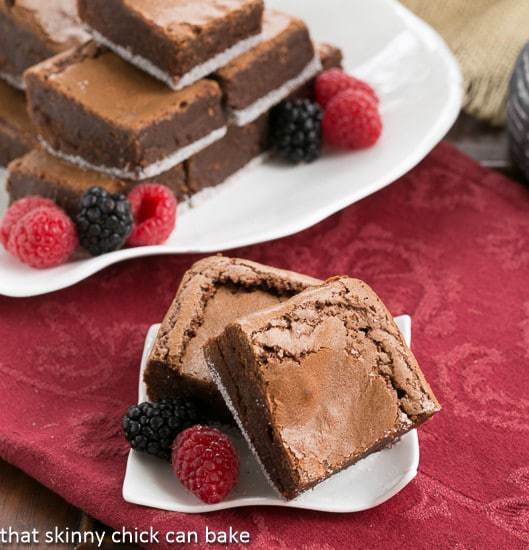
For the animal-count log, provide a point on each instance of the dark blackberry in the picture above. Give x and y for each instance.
(104, 221)
(296, 130)
(153, 427)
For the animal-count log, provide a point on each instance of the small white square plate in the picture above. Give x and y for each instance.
(151, 482)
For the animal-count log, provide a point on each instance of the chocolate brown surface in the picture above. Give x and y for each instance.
(320, 381)
(285, 51)
(174, 35)
(16, 133)
(39, 173)
(227, 156)
(330, 56)
(90, 103)
(213, 293)
(33, 30)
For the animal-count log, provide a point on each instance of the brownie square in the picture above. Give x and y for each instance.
(39, 173)
(33, 31)
(96, 111)
(213, 293)
(319, 382)
(259, 79)
(176, 41)
(16, 132)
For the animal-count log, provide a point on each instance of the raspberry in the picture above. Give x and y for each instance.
(44, 237)
(16, 211)
(206, 462)
(154, 210)
(330, 83)
(352, 120)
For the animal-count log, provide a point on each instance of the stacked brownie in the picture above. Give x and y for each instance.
(176, 92)
(316, 374)
(29, 33)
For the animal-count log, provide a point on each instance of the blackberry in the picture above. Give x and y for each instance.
(296, 130)
(153, 427)
(104, 221)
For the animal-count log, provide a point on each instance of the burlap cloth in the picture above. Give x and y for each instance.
(486, 37)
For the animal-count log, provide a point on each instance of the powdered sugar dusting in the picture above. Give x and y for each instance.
(231, 407)
(261, 106)
(14, 81)
(4, 198)
(194, 75)
(150, 171)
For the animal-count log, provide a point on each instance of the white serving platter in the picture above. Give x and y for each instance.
(150, 481)
(420, 87)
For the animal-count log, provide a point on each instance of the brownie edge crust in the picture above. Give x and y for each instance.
(319, 382)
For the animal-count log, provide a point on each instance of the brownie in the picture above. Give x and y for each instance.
(213, 293)
(330, 56)
(319, 382)
(95, 110)
(31, 31)
(227, 156)
(39, 173)
(177, 41)
(16, 133)
(267, 74)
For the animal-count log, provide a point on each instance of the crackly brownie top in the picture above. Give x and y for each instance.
(214, 292)
(336, 374)
(183, 20)
(54, 21)
(112, 89)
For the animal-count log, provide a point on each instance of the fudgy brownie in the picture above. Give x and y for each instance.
(39, 173)
(259, 79)
(95, 110)
(31, 31)
(16, 132)
(213, 293)
(227, 156)
(176, 41)
(319, 382)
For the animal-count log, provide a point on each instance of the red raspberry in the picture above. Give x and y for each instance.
(330, 83)
(154, 209)
(44, 237)
(352, 121)
(16, 211)
(206, 462)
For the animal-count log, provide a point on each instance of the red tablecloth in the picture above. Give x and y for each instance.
(448, 244)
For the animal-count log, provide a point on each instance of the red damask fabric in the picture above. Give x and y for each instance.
(447, 244)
